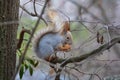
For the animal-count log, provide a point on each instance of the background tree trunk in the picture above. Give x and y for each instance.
(9, 10)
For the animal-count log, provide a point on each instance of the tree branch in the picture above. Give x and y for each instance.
(84, 56)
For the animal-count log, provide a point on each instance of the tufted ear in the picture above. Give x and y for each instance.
(59, 22)
(65, 28)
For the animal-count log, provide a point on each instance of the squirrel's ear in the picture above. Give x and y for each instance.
(65, 28)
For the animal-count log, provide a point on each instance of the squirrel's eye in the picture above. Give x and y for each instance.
(68, 38)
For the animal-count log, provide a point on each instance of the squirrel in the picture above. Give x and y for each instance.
(53, 38)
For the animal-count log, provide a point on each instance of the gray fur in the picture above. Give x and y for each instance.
(48, 43)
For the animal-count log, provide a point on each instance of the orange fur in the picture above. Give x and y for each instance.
(65, 47)
(67, 26)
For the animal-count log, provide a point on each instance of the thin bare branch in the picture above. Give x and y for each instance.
(32, 14)
(86, 10)
(34, 7)
(84, 56)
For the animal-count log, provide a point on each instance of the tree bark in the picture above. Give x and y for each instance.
(9, 10)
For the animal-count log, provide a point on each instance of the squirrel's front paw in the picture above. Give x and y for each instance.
(65, 47)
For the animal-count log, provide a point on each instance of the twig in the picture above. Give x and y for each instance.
(27, 2)
(34, 7)
(32, 14)
(86, 27)
(85, 72)
(86, 10)
(103, 13)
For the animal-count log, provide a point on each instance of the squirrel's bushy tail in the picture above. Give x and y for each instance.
(57, 18)
(59, 25)
(37, 36)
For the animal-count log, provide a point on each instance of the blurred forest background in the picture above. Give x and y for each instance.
(90, 21)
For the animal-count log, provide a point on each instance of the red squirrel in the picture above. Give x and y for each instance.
(53, 38)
